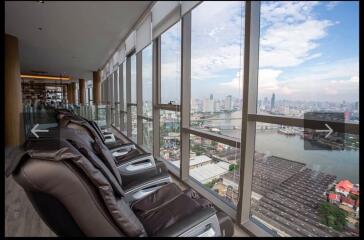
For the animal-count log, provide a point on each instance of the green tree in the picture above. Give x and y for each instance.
(232, 167)
(354, 197)
(333, 216)
(211, 183)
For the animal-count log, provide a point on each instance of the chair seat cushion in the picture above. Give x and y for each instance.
(163, 208)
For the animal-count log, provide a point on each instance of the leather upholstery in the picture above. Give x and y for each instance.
(76, 193)
(80, 182)
(56, 182)
(163, 208)
(127, 157)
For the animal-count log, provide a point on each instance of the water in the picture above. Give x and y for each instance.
(342, 163)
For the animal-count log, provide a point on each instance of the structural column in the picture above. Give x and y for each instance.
(82, 91)
(13, 94)
(96, 88)
(71, 93)
(65, 91)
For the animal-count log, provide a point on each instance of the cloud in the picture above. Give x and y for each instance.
(332, 81)
(332, 4)
(290, 33)
(236, 83)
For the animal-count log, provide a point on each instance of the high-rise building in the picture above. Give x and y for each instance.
(228, 103)
(357, 106)
(272, 101)
(208, 104)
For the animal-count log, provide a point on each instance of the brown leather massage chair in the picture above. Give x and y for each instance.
(77, 190)
(112, 142)
(130, 159)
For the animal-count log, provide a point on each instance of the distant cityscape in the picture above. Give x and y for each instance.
(276, 106)
(280, 186)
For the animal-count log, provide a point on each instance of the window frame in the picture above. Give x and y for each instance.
(246, 144)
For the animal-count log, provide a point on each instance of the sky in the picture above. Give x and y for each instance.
(307, 51)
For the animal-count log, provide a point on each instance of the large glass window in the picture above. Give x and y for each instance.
(132, 108)
(148, 134)
(124, 115)
(296, 188)
(217, 47)
(133, 112)
(133, 79)
(309, 58)
(216, 166)
(147, 76)
(170, 136)
(147, 107)
(124, 85)
(171, 65)
(305, 181)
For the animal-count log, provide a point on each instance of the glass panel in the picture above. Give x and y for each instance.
(170, 136)
(309, 58)
(133, 110)
(171, 65)
(124, 86)
(304, 182)
(148, 134)
(124, 116)
(217, 47)
(133, 78)
(216, 166)
(100, 115)
(147, 81)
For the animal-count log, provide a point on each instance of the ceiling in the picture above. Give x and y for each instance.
(75, 38)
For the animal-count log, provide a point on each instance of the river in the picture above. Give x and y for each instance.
(342, 163)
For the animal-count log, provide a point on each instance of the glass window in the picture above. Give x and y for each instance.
(309, 58)
(148, 134)
(171, 65)
(123, 114)
(133, 110)
(216, 166)
(170, 136)
(133, 78)
(217, 47)
(147, 76)
(297, 179)
(124, 85)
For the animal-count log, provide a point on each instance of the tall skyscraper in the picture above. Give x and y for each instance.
(228, 103)
(272, 102)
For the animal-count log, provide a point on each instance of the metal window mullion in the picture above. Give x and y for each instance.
(351, 128)
(155, 94)
(230, 141)
(250, 93)
(116, 98)
(128, 96)
(111, 98)
(185, 96)
(107, 109)
(139, 96)
(169, 107)
(145, 118)
(121, 97)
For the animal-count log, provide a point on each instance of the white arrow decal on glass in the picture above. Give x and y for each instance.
(329, 131)
(35, 130)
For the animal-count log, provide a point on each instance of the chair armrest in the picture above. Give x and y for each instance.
(193, 225)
